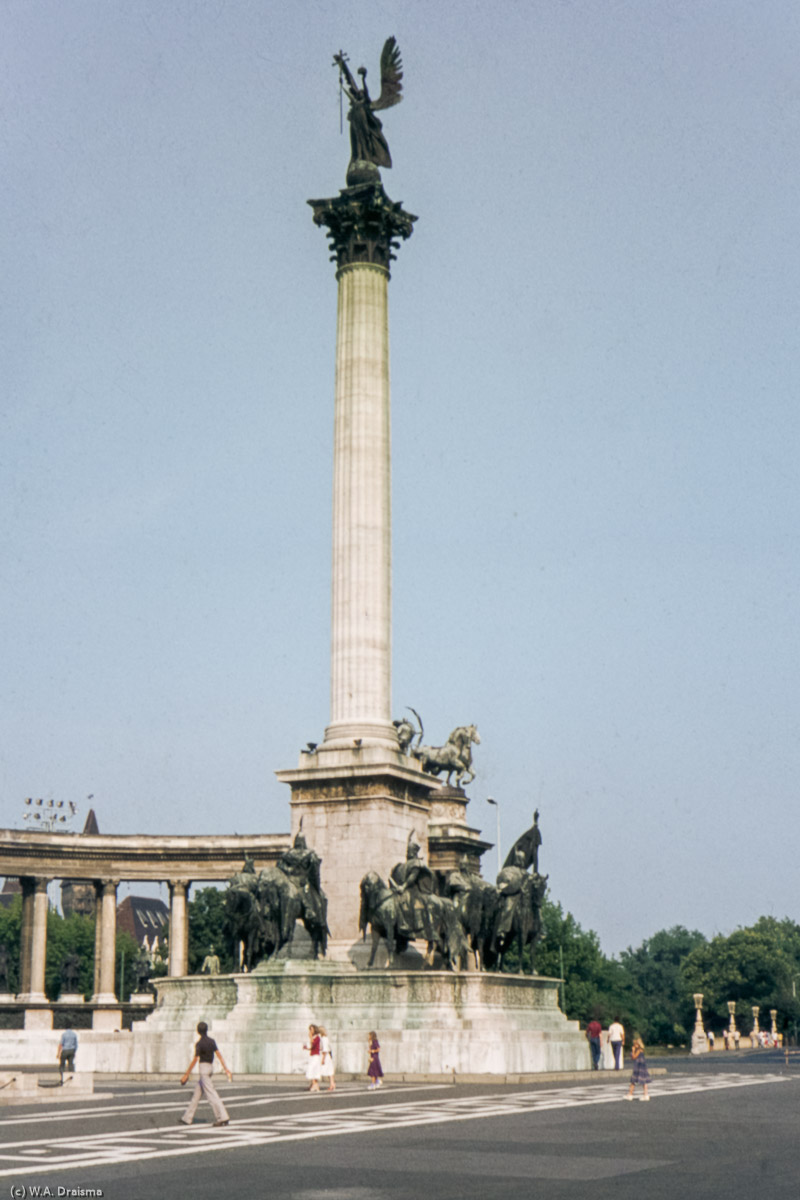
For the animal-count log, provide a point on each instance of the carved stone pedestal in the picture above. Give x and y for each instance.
(358, 809)
(437, 1023)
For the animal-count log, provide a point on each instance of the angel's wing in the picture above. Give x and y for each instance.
(391, 76)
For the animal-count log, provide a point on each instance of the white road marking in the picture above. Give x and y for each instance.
(95, 1150)
(121, 1107)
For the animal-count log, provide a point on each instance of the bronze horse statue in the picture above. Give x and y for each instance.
(384, 913)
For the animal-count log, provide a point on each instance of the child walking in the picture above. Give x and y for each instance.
(374, 1070)
(640, 1072)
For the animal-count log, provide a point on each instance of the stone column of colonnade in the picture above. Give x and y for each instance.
(105, 942)
(33, 940)
(178, 927)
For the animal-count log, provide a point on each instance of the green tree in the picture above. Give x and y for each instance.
(67, 936)
(593, 984)
(751, 966)
(663, 1009)
(207, 930)
(10, 925)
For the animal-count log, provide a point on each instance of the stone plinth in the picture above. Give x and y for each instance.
(428, 1022)
(107, 1020)
(28, 1088)
(39, 1017)
(449, 835)
(357, 814)
(358, 808)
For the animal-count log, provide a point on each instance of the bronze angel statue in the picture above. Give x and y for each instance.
(368, 147)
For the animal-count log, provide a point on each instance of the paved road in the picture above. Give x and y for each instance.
(715, 1128)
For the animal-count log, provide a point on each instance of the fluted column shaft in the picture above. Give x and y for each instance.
(178, 928)
(105, 942)
(33, 939)
(362, 563)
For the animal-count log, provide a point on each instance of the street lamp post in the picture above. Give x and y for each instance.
(732, 1030)
(496, 807)
(699, 1040)
(754, 1039)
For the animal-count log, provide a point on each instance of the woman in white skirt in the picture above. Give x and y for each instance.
(314, 1057)
(326, 1059)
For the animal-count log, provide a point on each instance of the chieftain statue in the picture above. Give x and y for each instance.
(461, 915)
(410, 907)
(141, 972)
(368, 146)
(475, 901)
(518, 918)
(262, 909)
(70, 973)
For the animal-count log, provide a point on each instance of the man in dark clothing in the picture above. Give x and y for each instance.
(593, 1031)
(204, 1053)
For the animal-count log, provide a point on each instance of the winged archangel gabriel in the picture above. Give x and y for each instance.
(368, 146)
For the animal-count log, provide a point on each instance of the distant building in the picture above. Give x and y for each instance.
(144, 919)
(78, 895)
(11, 888)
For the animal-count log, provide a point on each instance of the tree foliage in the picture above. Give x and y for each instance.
(65, 936)
(663, 1008)
(593, 984)
(207, 930)
(752, 966)
(10, 924)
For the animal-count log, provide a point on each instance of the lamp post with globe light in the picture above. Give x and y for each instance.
(732, 1030)
(699, 1040)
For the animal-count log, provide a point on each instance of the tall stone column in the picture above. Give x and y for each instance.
(357, 795)
(364, 227)
(33, 948)
(105, 942)
(178, 927)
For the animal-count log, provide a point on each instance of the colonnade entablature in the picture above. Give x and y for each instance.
(37, 859)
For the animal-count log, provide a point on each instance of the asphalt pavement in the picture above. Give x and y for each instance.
(724, 1126)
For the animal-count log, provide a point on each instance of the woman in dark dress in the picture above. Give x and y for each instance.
(374, 1070)
(640, 1072)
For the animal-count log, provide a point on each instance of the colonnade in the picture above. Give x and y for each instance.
(33, 938)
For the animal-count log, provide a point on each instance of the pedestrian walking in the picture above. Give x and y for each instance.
(68, 1044)
(326, 1059)
(593, 1032)
(374, 1070)
(204, 1052)
(616, 1037)
(313, 1069)
(640, 1073)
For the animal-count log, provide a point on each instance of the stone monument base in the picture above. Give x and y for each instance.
(438, 1023)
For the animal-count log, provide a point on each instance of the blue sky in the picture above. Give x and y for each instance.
(595, 423)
